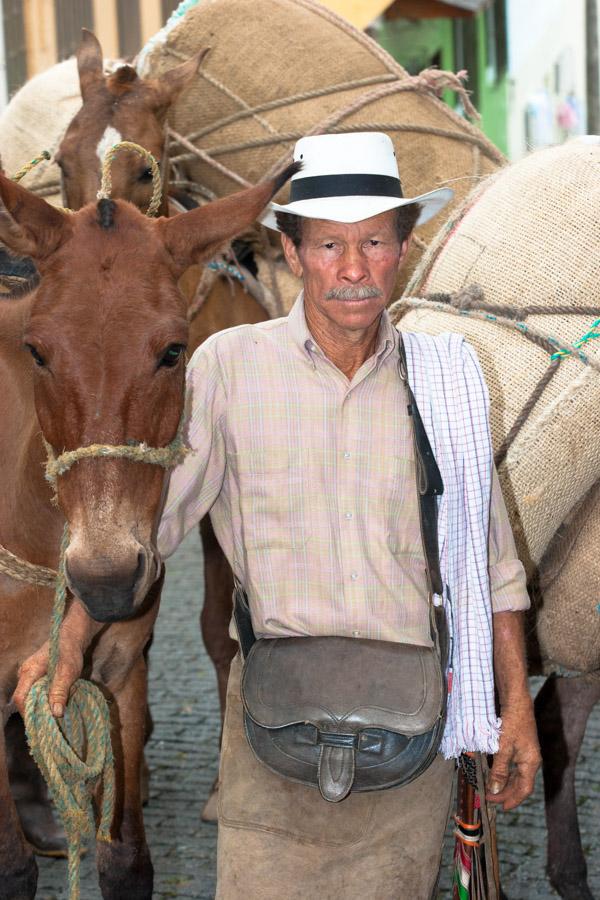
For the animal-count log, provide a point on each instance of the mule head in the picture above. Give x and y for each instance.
(117, 107)
(107, 334)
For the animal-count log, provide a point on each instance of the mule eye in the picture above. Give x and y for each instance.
(145, 176)
(39, 359)
(171, 356)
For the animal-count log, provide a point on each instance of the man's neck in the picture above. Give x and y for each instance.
(347, 350)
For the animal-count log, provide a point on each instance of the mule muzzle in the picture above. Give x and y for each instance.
(111, 592)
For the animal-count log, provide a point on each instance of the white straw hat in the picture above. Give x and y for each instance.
(350, 177)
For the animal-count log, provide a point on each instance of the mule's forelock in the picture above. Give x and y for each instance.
(106, 212)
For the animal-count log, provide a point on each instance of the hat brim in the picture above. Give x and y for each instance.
(356, 208)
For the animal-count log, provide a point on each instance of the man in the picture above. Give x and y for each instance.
(303, 454)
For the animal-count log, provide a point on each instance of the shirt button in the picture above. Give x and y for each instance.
(346, 455)
(353, 575)
(347, 515)
(356, 634)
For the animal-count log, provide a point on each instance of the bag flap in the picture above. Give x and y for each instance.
(343, 684)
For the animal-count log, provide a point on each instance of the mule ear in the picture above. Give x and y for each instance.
(28, 225)
(197, 235)
(175, 80)
(89, 64)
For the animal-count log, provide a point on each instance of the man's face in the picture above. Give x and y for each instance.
(349, 269)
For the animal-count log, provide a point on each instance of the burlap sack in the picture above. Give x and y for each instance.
(35, 120)
(566, 601)
(288, 68)
(530, 237)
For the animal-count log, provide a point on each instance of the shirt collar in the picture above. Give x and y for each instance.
(387, 337)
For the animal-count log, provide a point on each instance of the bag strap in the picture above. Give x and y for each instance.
(429, 481)
(429, 487)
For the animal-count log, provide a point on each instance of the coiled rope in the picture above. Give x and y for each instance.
(75, 755)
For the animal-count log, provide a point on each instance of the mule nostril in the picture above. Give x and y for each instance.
(140, 570)
(107, 588)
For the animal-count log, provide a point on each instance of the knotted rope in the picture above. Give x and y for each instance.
(106, 182)
(471, 303)
(75, 755)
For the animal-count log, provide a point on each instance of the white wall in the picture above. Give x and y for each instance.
(546, 48)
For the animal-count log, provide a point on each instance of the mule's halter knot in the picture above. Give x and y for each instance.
(106, 183)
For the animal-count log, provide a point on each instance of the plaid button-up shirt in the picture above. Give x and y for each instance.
(310, 483)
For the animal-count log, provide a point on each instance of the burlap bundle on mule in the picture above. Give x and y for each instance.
(35, 120)
(287, 68)
(530, 237)
(566, 600)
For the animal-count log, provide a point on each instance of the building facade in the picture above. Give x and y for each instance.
(525, 61)
(35, 34)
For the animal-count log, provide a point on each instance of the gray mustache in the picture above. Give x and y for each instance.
(360, 292)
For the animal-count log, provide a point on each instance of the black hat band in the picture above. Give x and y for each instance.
(319, 186)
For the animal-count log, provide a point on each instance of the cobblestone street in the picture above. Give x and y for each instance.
(183, 760)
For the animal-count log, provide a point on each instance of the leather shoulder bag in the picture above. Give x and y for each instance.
(350, 714)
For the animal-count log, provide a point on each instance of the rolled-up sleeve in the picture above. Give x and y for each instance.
(195, 484)
(507, 575)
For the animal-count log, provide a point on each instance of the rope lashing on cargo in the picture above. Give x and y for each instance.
(509, 318)
(106, 181)
(471, 303)
(429, 81)
(75, 755)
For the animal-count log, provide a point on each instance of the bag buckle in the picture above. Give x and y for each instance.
(335, 739)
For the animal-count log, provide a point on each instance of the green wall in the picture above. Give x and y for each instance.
(417, 44)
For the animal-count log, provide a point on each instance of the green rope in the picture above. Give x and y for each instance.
(75, 755)
(590, 335)
(553, 345)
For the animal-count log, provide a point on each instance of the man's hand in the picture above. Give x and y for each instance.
(512, 776)
(76, 633)
(518, 758)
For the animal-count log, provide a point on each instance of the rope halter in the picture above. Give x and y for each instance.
(106, 183)
(166, 457)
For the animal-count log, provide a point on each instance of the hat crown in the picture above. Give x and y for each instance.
(364, 153)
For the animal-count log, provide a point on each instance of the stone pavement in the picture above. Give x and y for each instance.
(183, 759)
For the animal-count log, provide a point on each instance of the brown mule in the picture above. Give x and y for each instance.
(106, 331)
(123, 106)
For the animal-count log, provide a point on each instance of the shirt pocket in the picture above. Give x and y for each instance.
(274, 499)
(401, 506)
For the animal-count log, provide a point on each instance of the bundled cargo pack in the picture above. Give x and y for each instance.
(516, 270)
